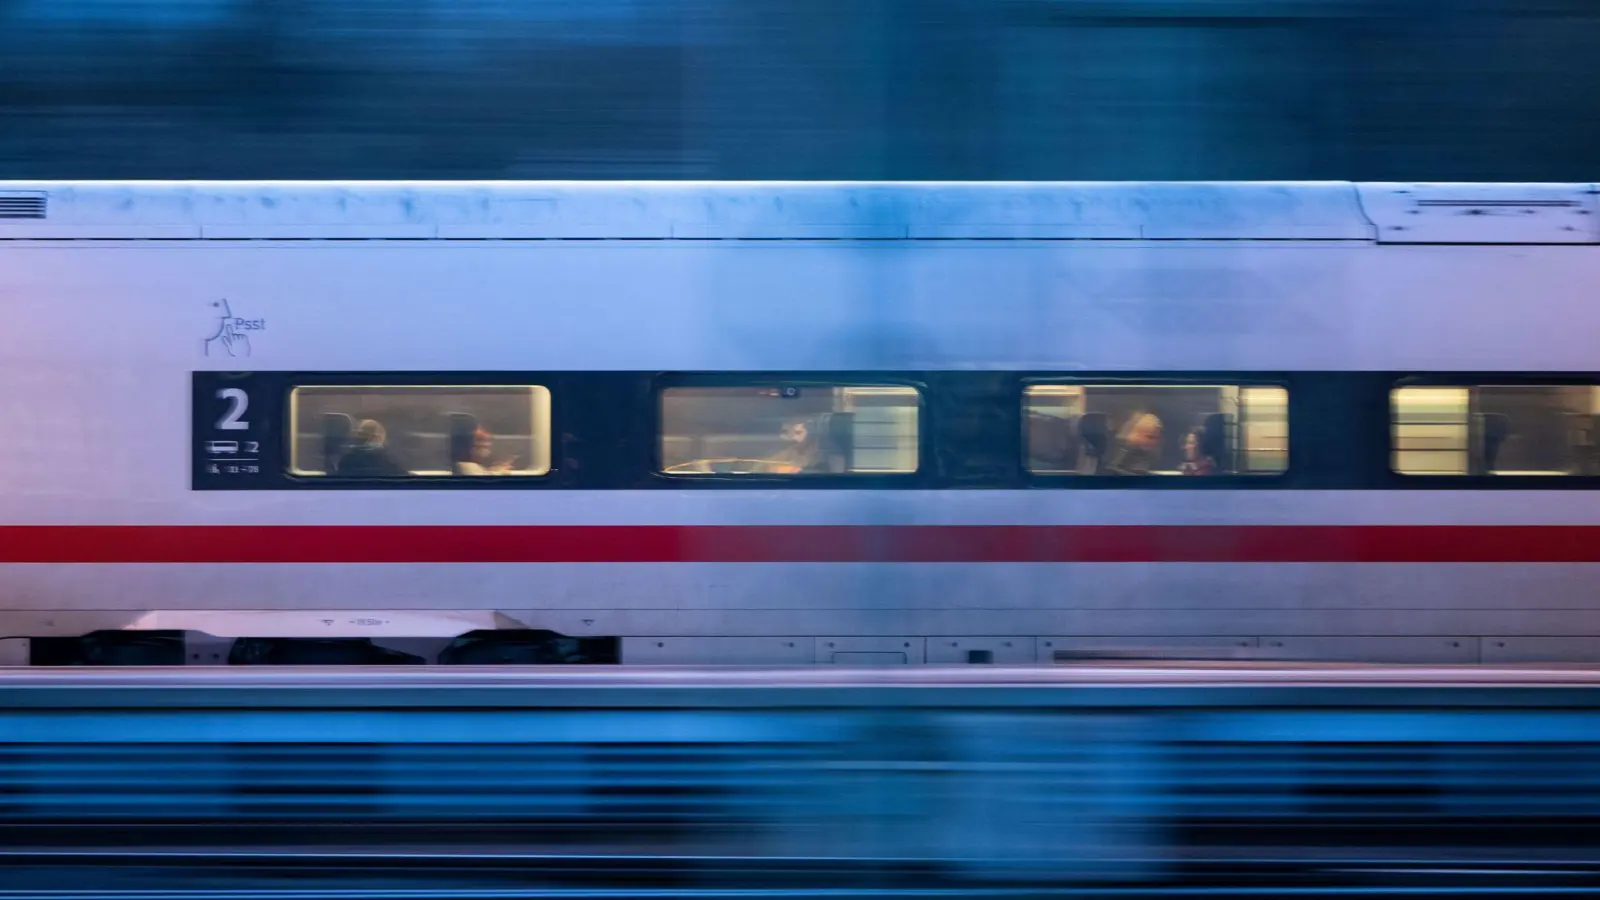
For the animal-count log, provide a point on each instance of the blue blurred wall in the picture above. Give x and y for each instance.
(1074, 89)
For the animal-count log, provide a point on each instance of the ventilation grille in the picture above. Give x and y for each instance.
(23, 206)
(1501, 204)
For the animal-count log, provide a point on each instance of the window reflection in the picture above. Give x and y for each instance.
(1495, 430)
(378, 431)
(789, 430)
(1088, 429)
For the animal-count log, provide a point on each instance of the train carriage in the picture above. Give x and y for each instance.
(786, 423)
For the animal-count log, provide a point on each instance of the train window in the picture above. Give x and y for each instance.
(1495, 430)
(789, 430)
(1167, 429)
(421, 431)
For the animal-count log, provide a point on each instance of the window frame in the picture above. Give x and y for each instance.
(664, 382)
(1229, 481)
(1470, 481)
(437, 380)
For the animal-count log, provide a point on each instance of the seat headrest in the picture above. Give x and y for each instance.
(836, 431)
(1052, 441)
(462, 427)
(1095, 429)
(1496, 428)
(1216, 440)
(336, 428)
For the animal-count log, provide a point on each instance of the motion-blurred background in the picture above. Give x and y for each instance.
(851, 89)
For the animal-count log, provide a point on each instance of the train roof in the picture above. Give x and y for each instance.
(684, 210)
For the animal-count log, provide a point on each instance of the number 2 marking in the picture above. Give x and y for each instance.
(238, 401)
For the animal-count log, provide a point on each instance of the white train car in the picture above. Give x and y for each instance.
(775, 423)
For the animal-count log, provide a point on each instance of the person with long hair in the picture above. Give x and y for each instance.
(1195, 459)
(801, 450)
(483, 461)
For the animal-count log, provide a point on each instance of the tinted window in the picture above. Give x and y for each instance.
(789, 430)
(1129, 429)
(1495, 430)
(458, 431)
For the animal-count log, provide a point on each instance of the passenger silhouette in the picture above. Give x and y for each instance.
(483, 461)
(1195, 459)
(801, 450)
(1139, 445)
(368, 456)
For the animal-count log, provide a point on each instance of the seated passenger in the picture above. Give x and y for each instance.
(1138, 446)
(1195, 461)
(801, 451)
(482, 462)
(367, 457)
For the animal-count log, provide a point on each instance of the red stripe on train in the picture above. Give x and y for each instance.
(797, 543)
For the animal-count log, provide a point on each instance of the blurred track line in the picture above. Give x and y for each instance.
(841, 894)
(1435, 865)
